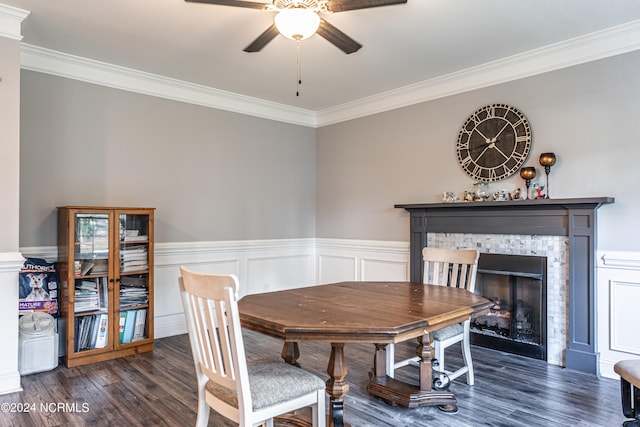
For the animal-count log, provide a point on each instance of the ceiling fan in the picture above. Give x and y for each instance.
(295, 13)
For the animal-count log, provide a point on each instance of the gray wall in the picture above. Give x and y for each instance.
(586, 114)
(216, 175)
(211, 174)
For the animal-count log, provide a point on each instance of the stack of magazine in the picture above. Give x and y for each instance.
(133, 291)
(134, 258)
(133, 236)
(90, 294)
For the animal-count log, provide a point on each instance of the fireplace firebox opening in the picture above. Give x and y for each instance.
(517, 321)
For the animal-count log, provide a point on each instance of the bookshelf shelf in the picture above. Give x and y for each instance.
(105, 257)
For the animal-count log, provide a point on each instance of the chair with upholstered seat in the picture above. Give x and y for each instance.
(249, 394)
(446, 267)
(629, 371)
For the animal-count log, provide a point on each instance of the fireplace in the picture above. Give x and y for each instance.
(517, 323)
(571, 224)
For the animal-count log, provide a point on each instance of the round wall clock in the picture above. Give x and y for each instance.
(494, 142)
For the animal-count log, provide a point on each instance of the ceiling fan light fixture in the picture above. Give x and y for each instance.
(297, 23)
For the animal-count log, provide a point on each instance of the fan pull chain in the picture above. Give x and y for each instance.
(298, 66)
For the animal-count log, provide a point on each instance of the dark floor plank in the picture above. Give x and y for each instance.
(159, 389)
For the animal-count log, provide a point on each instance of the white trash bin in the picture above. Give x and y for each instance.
(38, 343)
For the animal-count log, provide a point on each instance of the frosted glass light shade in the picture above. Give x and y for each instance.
(297, 23)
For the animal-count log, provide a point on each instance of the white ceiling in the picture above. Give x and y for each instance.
(405, 46)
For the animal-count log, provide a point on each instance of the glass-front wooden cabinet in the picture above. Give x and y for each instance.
(105, 257)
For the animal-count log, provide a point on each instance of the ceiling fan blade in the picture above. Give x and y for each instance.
(337, 38)
(236, 3)
(343, 5)
(262, 39)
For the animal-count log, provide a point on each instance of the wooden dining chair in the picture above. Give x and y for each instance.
(249, 394)
(446, 267)
(629, 371)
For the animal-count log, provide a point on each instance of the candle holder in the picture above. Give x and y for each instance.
(527, 173)
(547, 160)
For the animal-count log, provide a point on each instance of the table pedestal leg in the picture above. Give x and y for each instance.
(401, 393)
(337, 386)
(425, 353)
(291, 353)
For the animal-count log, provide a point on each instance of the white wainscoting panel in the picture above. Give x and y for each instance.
(270, 265)
(274, 273)
(337, 268)
(623, 303)
(383, 270)
(618, 302)
(263, 266)
(168, 315)
(348, 260)
(260, 265)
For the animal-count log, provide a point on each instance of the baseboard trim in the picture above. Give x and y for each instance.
(169, 325)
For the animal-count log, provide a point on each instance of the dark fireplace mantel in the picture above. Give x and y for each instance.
(574, 218)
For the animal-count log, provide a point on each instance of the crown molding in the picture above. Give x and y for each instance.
(598, 45)
(579, 50)
(61, 64)
(11, 21)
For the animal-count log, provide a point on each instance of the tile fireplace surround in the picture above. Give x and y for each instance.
(563, 230)
(555, 248)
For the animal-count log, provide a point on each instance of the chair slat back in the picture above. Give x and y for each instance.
(450, 267)
(214, 321)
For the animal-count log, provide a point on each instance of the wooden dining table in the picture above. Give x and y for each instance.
(379, 313)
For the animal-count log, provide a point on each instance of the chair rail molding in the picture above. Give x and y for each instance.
(627, 260)
(10, 262)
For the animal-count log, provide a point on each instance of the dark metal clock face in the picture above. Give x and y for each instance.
(494, 142)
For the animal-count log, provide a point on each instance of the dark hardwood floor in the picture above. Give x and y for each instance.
(158, 389)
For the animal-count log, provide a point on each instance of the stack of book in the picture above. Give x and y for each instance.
(132, 324)
(91, 332)
(134, 258)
